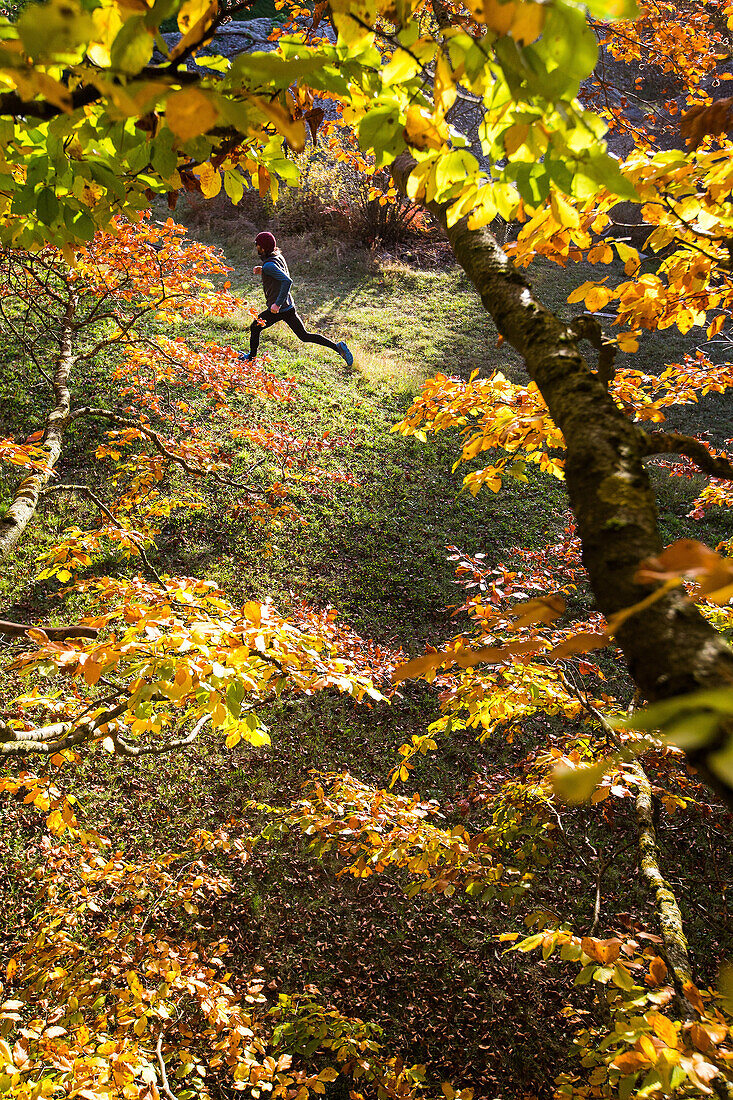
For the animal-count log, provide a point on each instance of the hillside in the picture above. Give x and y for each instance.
(371, 542)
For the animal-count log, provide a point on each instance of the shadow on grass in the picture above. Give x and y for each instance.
(376, 550)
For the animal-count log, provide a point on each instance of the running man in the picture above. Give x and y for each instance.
(276, 283)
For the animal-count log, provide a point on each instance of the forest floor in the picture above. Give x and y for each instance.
(430, 970)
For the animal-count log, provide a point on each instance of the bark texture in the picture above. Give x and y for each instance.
(670, 649)
(665, 902)
(25, 501)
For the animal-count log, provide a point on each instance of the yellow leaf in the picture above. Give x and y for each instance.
(190, 113)
(576, 784)
(628, 342)
(445, 91)
(253, 612)
(528, 23)
(564, 213)
(646, 1047)
(579, 293)
(293, 130)
(663, 1027)
(596, 298)
(192, 11)
(210, 180)
(423, 131)
(522, 20)
(107, 24)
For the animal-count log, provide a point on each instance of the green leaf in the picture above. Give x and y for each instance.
(269, 69)
(57, 29)
(47, 206)
(164, 157)
(576, 785)
(622, 978)
(83, 227)
(382, 131)
(722, 762)
(568, 42)
(133, 46)
(585, 975)
(658, 715)
(601, 168)
(609, 10)
(233, 185)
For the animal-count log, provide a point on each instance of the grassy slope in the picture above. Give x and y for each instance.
(428, 970)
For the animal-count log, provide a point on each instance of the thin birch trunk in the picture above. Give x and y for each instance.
(25, 501)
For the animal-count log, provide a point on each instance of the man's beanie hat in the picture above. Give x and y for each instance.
(266, 241)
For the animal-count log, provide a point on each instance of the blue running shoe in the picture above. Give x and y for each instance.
(344, 351)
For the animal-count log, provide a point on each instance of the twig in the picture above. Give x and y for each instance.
(164, 1086)
(83, 490)
(162, 894)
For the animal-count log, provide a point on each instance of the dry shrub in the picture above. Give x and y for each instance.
(334, 202)
(220, 219)
(337, 199)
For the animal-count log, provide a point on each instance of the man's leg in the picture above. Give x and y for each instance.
(295, 322)
(265, 320)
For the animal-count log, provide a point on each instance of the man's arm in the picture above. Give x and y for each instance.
(283, 279)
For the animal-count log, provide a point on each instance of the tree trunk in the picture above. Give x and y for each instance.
(25, 501)
(669, 647)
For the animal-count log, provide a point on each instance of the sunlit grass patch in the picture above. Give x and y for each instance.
(383, 370)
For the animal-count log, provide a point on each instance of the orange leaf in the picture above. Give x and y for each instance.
(579, 643)
(692, 993)
(467, 658)
(253, 612)
(658, 970)
(544, 609)
(418, 666)
(630, 1062)
(609, 950)
(684, 557)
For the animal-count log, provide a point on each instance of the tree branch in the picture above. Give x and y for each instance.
(672, 443)
(53, 633)
(160, 446)
(665, 902)
(587, 327)
(48, 740)
(129, 748)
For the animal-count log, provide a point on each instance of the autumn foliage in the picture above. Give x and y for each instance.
(118, 980)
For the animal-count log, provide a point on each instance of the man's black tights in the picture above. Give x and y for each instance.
(293, 321)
